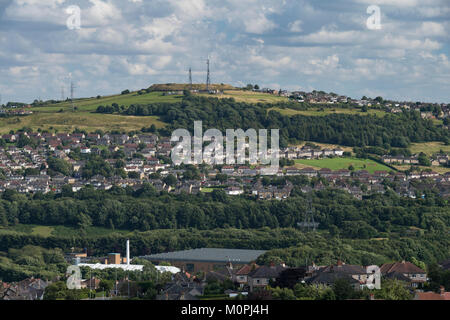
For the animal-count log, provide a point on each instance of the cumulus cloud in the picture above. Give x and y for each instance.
(291, 44)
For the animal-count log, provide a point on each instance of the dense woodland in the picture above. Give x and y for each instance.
(146, 209)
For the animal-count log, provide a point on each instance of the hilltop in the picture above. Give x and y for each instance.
(185, 86)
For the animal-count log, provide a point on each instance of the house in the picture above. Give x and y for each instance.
(405, 270)
(91, 284)
(234, 191)
(261, 277)
(227, 170)
(85, 150)
(292, 171)
(442, 295)
(241, 276)
(309, 172)
(356, 275)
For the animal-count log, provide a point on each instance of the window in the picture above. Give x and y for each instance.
(189, 267)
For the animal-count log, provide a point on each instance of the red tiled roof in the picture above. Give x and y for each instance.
(432, 296)
(402, 267)
(246, 269)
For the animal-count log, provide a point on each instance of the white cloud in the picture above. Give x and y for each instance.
(296, 26)
(131, 44)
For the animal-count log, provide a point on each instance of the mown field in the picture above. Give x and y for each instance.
(324, 112)
(91, 104)
(68, 121)
(429, 148)
(342, 163)
(249, 96)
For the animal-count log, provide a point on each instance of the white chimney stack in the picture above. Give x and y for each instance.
(128, 252)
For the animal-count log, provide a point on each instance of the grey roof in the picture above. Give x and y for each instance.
(331, 277)
(241, 256)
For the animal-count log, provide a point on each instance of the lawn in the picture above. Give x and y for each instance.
(327, 111)
(68, 121)
(343, 163)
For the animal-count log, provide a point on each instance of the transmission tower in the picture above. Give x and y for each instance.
(308, 221)
(72, 88)
(190, 79)
(208, 76)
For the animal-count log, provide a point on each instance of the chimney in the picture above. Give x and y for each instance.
(442, 290)
(128, 252)
(339, 263)
(372, 296)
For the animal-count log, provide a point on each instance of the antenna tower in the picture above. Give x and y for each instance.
(190, 79)
(208, 76)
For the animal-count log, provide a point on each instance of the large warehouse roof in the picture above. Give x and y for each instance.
(208, 255)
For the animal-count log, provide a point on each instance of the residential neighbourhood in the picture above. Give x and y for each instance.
(193, 272)
(144, 158)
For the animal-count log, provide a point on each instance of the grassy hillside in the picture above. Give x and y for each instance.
(68, 121)
(57, 231)
(249, 96)
(319, 112)
(186, 86)
(91, 104)
(429, 147)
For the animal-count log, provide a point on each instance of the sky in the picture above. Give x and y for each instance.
(289, 44)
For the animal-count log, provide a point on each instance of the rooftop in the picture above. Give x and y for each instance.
(209, 255)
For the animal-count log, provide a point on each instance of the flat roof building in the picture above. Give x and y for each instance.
(206, 259)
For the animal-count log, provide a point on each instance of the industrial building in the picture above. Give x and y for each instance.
(206, 259)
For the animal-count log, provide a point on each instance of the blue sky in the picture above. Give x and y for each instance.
(291, 44)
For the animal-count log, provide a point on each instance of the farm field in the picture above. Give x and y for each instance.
(318, 112)
(91, 104)
(249, 96)
(342, 163)
(429, 147)
(68, 121)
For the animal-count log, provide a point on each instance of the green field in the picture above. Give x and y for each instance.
(91, 104)
(68, 121)
(57, 231)
(249, 96)
(327, 111)
(343, 163)
(429, 148)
